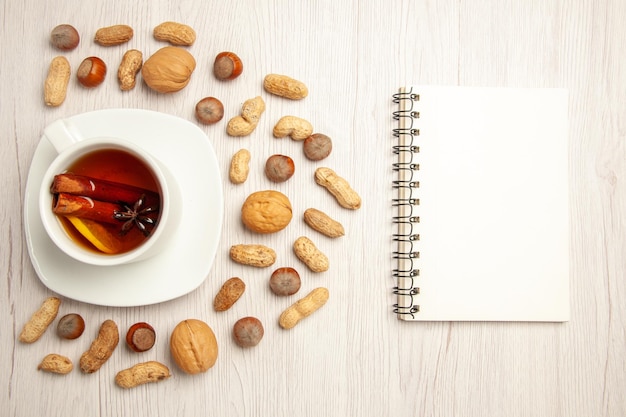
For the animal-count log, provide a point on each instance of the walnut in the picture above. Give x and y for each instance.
(193, 346)
(169, 69)
(266, 211)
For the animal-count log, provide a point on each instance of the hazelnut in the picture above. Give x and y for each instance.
(209, 110)
(64, 37)
(91, 72)
(227, 66)
(317, 147)
(285, 281)
(248, 332)
(279, 168)
(71, 326)
(193, 346)
(140, 337)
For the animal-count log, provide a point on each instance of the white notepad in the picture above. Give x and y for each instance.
(482, 223)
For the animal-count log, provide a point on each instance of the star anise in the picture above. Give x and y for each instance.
(136, 216)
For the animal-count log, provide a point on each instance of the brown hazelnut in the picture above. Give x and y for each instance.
(279, 168)
(71, 326)
(91, 72)
(64, 37)
(209, 110)
(140, 337)
(227, 66)
(248, 332)
(285, 281)
(317, 146)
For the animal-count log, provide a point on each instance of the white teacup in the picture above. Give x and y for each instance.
(71, 146)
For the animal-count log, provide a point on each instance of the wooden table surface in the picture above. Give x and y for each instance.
(352, 357)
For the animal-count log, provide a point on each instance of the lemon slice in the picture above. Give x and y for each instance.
(96, 234)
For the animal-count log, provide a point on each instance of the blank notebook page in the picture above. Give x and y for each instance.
(493, 204)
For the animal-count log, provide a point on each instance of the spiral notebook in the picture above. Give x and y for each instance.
(481, 222)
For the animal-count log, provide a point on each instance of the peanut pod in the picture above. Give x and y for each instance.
(303, 308)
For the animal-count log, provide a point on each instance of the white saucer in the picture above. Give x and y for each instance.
(189, 155)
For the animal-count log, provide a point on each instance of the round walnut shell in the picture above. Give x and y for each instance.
(193, 346)
(266, 211)
(169, 69)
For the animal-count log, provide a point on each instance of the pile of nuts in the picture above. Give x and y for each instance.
(168, 70)
(193, 345)
(270, 211)
(263, 212)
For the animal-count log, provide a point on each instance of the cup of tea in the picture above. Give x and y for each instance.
(106, 201)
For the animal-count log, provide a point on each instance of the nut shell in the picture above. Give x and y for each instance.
(193, 346)
(169, 69)
(266, 211)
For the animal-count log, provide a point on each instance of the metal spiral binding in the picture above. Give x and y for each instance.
(406, 220)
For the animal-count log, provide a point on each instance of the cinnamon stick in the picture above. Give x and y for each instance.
(102, 190)
(65, 204)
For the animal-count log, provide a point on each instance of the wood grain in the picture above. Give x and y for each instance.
(352, 357)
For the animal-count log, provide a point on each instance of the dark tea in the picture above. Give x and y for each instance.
(107, 200)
